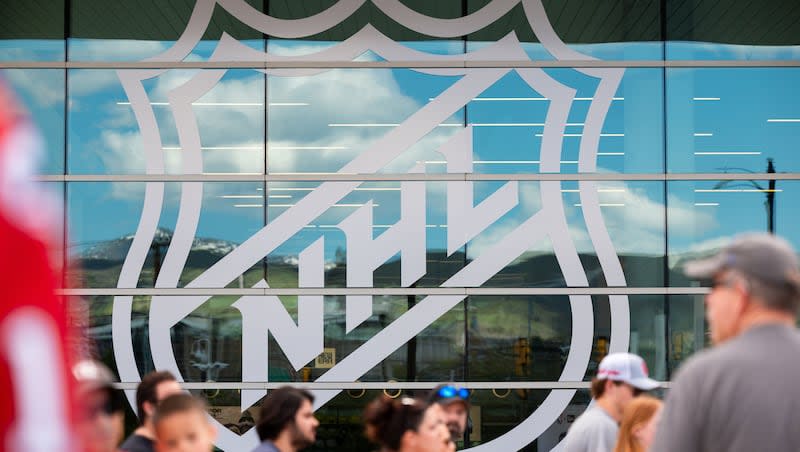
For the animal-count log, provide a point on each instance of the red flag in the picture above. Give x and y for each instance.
(36, 411)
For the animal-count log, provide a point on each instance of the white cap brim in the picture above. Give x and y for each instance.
(645, 384)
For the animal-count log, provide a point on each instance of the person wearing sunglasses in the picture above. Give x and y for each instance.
(455, 404)
(741, 394)
(620, 378)
(100, 420)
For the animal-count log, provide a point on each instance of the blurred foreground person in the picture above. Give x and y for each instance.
(407, 425)
(620, 378)
(638, 426)
(181, 425)
(37, 404)
(101, 418)
(741, 395)
(455, 404)
(286, 422)
(154, 387)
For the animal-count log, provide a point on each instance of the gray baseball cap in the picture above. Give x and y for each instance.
(765, 257)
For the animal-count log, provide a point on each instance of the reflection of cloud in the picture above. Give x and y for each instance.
(703, 248)
(114, 49)
(637, 227)
(46, 87)
(329, 97)
(123, 154)
(714, 51)
(341, 96)
(88, 82)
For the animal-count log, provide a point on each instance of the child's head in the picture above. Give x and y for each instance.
(181, 425)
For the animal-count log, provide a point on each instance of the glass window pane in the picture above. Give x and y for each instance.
(529, 338)
(718, 210)
(103, 217)
(509, 120)
(108, 130)
(315, 124)
(41, 93)
(630, 214)
(733, 120)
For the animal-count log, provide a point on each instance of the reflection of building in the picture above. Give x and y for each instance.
(238, 151)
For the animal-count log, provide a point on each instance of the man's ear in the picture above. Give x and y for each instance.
(149, 409)
(212, 431)
(743, 301)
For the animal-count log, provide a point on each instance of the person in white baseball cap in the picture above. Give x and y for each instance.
(620, 378)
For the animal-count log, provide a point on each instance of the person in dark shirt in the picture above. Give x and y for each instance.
(155, 386)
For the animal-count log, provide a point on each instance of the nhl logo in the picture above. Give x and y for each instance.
(302, 341)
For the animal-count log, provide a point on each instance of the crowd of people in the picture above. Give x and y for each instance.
(171, 420)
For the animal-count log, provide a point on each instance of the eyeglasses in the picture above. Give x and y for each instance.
(450, 391)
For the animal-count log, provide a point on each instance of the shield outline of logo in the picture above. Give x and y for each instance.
(550, 221)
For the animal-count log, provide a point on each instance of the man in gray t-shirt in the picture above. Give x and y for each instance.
(620, 378)
(742, 394)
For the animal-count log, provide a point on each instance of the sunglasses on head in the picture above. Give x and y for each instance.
(449, 391)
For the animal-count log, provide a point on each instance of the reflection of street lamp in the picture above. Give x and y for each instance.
(770, 191)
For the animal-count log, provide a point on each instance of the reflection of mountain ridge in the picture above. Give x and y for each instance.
(532, 269)
(117, 249)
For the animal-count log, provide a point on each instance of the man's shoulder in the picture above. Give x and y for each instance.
(593, 418)
(754, 344)
(137, 443)
(594, 430)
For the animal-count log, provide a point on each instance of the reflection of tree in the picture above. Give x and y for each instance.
(769, 204)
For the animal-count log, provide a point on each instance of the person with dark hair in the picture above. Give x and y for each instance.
(407, 425)
(286, 421)
(153, 388)
(181, 425)
(455, 404)
(741, 394)
(620, 378)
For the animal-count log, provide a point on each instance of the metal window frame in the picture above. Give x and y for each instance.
(385, 385)
(326, 177)
(395, 64)
(388, 291)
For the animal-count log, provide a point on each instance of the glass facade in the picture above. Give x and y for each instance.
(366, 197)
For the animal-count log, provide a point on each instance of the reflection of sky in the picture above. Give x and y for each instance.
(717, 120)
